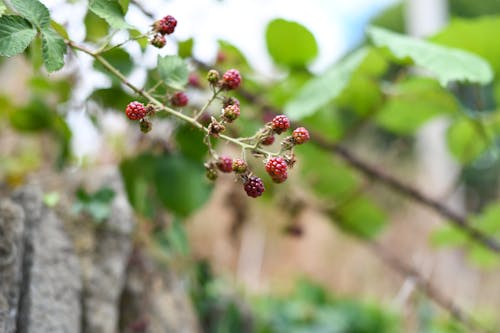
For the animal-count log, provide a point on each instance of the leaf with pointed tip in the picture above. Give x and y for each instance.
(173, 70)
(111, 11)
(34, 11)
(16, 34)
(324, 88)
(54, 49)
(446, 63)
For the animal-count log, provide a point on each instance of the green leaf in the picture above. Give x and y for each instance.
(233, 57)
(448, 64)
(483, 257)
(34, 11)
(111, 11)
(328, 177)
(173, 71)
(449, 236)
(413, 103)
(3, 8)
(120, 59)
(180, 184)
(361, 217)
(124, 5)
(190, 142)
(473, 35)
(15, 35)
(96, 28)
(465, 140)
(59, 29)
(185, 48)
(323, 89)
(34, 117)
(139, 185)
(96, 205)
(290, 44)
(54, 48)
(139, 38)
(114, 97)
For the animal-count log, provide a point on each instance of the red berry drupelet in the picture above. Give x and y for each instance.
(136, 111)
(254, 187)
(280, 123)
(225, 164)
(179, 99)
(277, 168)
(300, 135)
(166, 25)
(231, 79)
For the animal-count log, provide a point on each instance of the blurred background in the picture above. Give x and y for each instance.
(332, 250)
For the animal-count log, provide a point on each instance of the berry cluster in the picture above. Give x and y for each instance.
(277, 164)
(162, 27)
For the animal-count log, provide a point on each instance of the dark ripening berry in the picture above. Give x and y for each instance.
(240, 166)
(300, 135)
(213, 76)
(276, 167)
(231, 79)
(230, 101)
(135, 111)
(280, 123)
(231, 112)
(159, 41)
(211, 174)
(166, 25)
(254, 187)
(225, 164)
(179, 99)
(145, 125)
(268, 140)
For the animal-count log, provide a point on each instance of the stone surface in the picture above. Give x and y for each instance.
(51, 284)
(11, 249)
(106, 276)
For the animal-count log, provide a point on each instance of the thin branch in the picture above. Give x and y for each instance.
(159, 104)
(391, 182)
(428, 288)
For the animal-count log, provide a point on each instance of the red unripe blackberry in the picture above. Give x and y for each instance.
(166, 25)
(300, 135)
(135, 111)
(231, 79)
(179, 99)
(225, 164)
(240, 166)
(194, 80)
(159, 41)
(280, 123)
(231, 112)
(268, 140)
(254, 187)
(277, 168)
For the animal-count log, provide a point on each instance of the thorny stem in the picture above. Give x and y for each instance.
(194, 122)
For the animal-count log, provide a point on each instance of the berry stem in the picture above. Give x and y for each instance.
(207, 104)
(157, 103)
